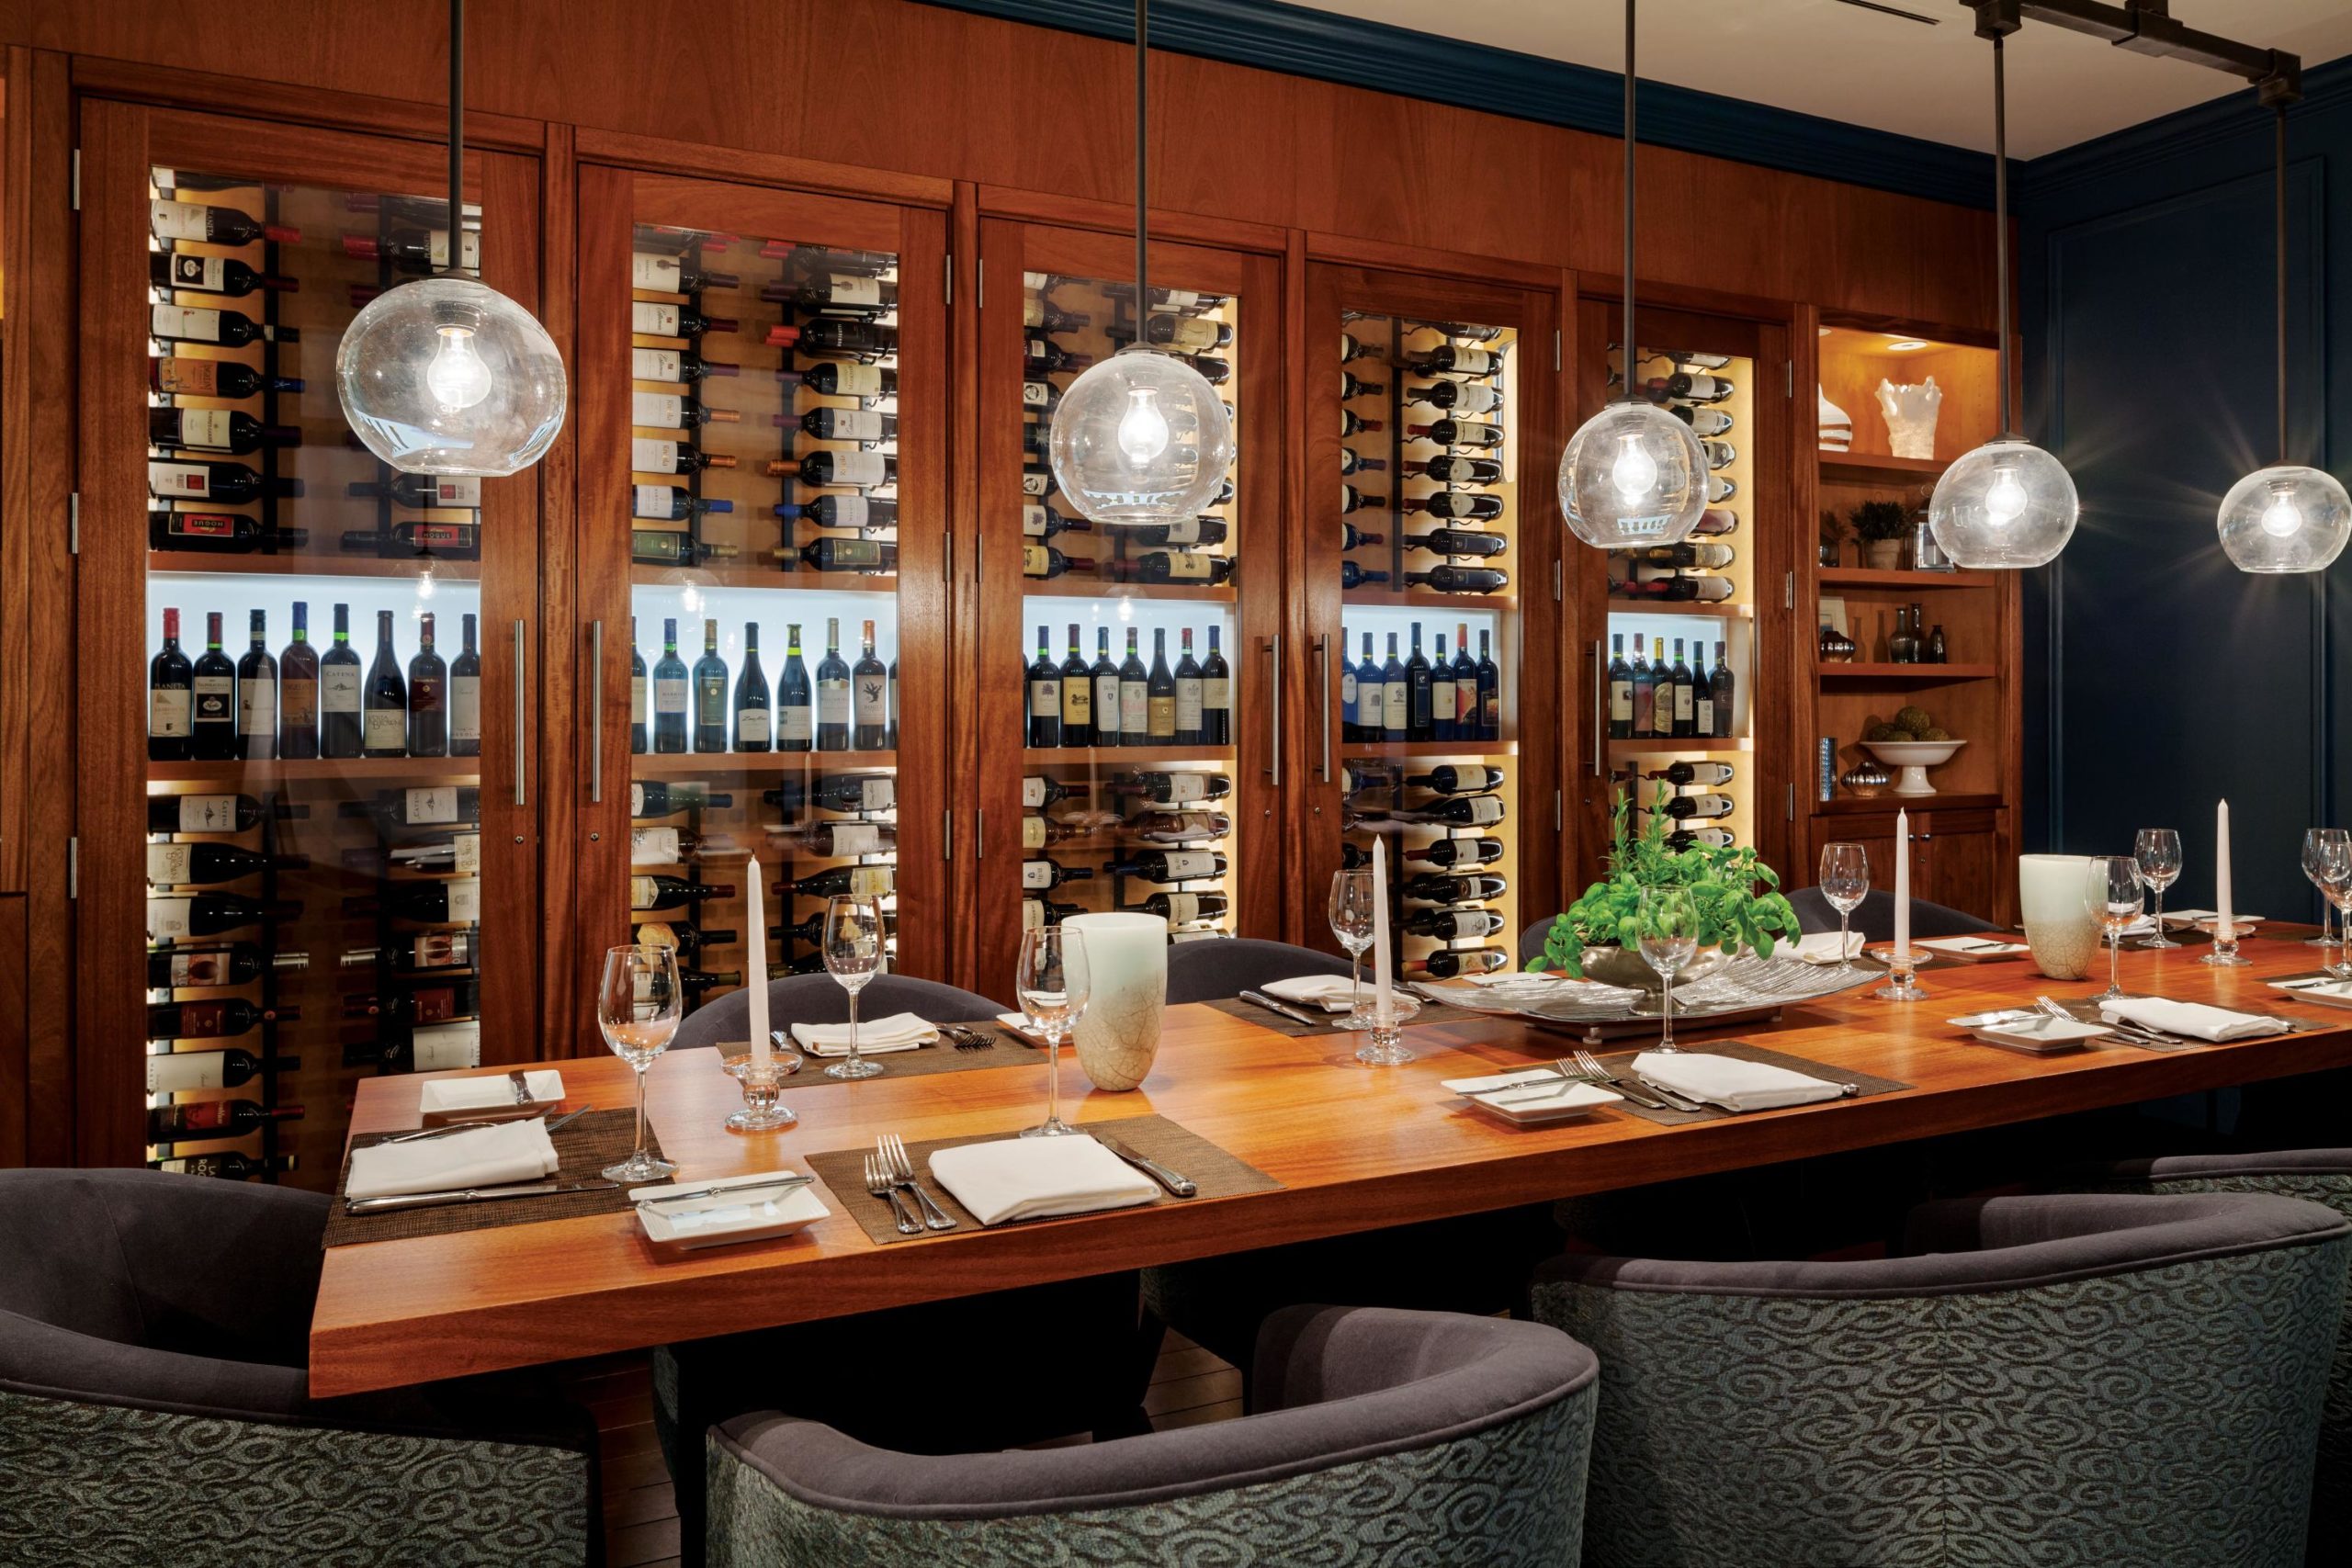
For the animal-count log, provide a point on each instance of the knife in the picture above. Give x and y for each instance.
(1259, 999)
(468, 1126)
(1183, 1187)
(470, 1195)
(727, 1191)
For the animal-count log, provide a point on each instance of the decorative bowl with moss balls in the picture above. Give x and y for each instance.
(1913, 741)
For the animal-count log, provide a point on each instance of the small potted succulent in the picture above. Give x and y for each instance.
(1881, 527)
(1736, 895)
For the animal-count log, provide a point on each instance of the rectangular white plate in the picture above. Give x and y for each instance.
(720, 1220)
(1500, 1095)
(2336, 993)
(2035, 1033)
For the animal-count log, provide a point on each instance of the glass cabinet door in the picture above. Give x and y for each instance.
(1142, 708)
(762, 462)
(306, 747)
(1432, 547)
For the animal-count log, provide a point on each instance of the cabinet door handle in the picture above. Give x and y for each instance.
(1274, 710)
(1600, 714)
(522, 719)
(596, 713)
(1323, 697)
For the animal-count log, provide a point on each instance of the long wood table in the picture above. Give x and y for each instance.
(1354, 1147)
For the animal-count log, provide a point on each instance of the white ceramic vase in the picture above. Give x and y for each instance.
(1910, 412)
(2058, 924)
(1126, 966)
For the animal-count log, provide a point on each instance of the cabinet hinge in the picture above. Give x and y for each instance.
(1792, 802)
(1559, 813)
(947, 542)
(1792, 365)
(1555, 351)
(1789, 591)
(947, 835)
(1559, 581)
(980, 832)
(76, 188)
(979, 558)
(73, 524)
(980, 277)
(948, 292)
(72, 868)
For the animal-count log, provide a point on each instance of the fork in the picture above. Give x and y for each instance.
(901, 1170)
(1593, 1070)
(966, 1039)
(879, 1185)
(2122, 1026)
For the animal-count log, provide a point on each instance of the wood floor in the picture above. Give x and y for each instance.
(1190, 1385)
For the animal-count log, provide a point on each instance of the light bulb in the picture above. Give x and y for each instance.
(457, 377)
(1634, 473)
(2005, 500)
(2285, 518)
(1143, 428)
(2282, 518)
(2006, 505)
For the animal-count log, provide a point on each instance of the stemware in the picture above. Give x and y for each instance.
(1050, 978)
(2317, 842)
(2112, 894)
(1352, 922)
(1845, 883)
(852, 956)
(2157, 850)
(638, 1004)
(1668, 920)
(2334, 875)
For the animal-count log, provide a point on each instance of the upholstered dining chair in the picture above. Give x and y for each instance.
(2318, 1176)
(864, 1374)
(155, 1404)
(1212, 971)
(1875, 918)
(1378, 1438)
(2096, 1379)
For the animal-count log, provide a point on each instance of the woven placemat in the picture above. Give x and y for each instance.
(2086, 1010)
(1216, 1172)
(1250, 1012)
(1622, 1063)
(584, 1149)
(1005, 1049)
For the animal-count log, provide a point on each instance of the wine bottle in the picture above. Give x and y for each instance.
(427, 952)
(1697, 387)
(670, 696)
(1686, 772)
(465, 696)
(1159, 693)
(1453, 778)
(1172, 566)
(214, 430)
(1460, 505)
(684, 938)
(460, 854)
(833, 840)
(1077, 691)
(222, 963)
(206, 1120)
(710, 692)
(796, 723)
(850, 338)
(1457, 358)
(452, 901)
(1351, 692)
(752, 713)
(664, 547)
(188, 273)
(653, 319)
(1457, 397)
(233, 483)
(1039, 520)
(1702, 422)
(180, 865)
(417, 251)
(1445, 706)
(670, 504)
(1170, 866)
(833, 697)
(425, 491)
(862, 792)
(1453, 924)
(186, 377)
(640, 726)
(1396, 687)
(422, 806)
(676, 366)
(1170, 789)
(1179, 827)
(1621, 690)
(651, 799)
(228, 1165)
(1438, 887)
(1457, 432)
(413, 540)
(213, 727)
(659, 273)
(1691, 838)
(871, 697)
(1468, 852)
(1192, 695)
(1135, 696)
(847, 881)
(1675, 588)
(1686, 699)
(1702, 806)
(834, 554)
(1353, 500)
(1372, 696)
(1045, 698)
(1183, 909)
(220, 533)
(1419, 723)
(384, 729)
(210, 324)
(1488, 679)
(654, 455)
(861, 425)
(675, 846)
(176, 916)
(1043, 874)
(1449, 964)
(428, 696)
(667, 892)
(340, 733)
(213, 813)
(1044, 561)
(1449, 579)
(849, 378)
(674, 411)
(1455, 469)
(171, 698)
(421, 1004)
(1662, 676)
(1185, 533)
(204, 1020)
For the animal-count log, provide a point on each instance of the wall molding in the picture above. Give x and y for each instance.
(1326, 46)
(2055, 176)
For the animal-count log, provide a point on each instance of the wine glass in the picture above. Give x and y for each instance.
(2334, 875)
(638, 1004)
(1051, 981)
(2158, 851)
(1845, 883)
(852, 956)
(1352, 922)
(2317, 843)
(1669, 921)
(2112, 894)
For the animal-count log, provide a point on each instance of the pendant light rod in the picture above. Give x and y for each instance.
(1627, 333)
(2279, 142)
(2001, 223)
(457, 254)
(1143, 89)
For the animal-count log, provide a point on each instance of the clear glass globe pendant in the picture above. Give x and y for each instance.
(448, 376)
(2007, 505)
(2286, 518)
(1141, 437)
(1633, 475)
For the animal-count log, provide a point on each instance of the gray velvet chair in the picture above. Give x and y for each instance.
(2092, 1380)
(2318, 1176)
(854, 1373)
(1875, 918)
(154, 1405)
(1210, 971)
(1379, 1439)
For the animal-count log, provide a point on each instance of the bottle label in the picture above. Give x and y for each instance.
(169, 710)
(452, 489)
(205, 427)
(644, 892)
(833, 702)
(850, 510)
(1036, 481)
(447, 1045)
(1037, 874)
(1037, 394)
(258, 705)
(856, 839)
(436, 249)
(168, 865)
(796, 726)
(386, 730)
(465, 854)
(169, 920)
(1135, 707)
(465, 900)
(1189, 702)
(852, 380)
(657, 365)
(657, 410)
(1443, 703)
(1183, 909)
(1185, 788)
(861, 469)
(1183, 865)
(1162, 718)
(207, 275)
(442, 950)
(215, 695)
(208, 813)
(1188, 566)
(637, 699)
(654, 502)
(190, 324)
(655, 319)
(298, 704)
(869, 881)
(853, 425)
(1484, 811)
(200, 966)
(1044, 698)
(179, 1071)
(1035, 561)
(1682, 704)
(1348, 694)
(187, 480)
(1033, 793)
(1397, 706)
(670, 696)
(1032, 914)
(1620, 701)
(654, 846)
(710, 703)
(465, 707)
(663, 275)
(751, 727)
(1705, 711)
(845, 289)
(1185, 531)
(1078, 701)
(339, 688)
(878, 792)
(429, 806)
(1033, 832)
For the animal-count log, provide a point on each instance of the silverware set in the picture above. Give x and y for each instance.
(1260, 1000)
(890, 1165)
(2125, 1027)
(723, 1190)
(966, 1039)
(1647, 1092)
(467, 1126)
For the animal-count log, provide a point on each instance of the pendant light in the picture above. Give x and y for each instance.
(1634, 474)
(2286, 517)
(445, 375)
(2007, 504)
(1141, 437)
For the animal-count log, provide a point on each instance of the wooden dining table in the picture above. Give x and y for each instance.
(1353, 1147)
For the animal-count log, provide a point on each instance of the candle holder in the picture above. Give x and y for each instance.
(763, 1108)
(1383, 1045)
(2225, 953)
(1901, 981)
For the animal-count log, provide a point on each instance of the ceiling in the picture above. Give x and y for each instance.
(1844, 62)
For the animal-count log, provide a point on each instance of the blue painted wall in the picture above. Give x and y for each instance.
(2161, 678)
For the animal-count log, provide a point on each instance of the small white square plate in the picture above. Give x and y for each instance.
(2336, 993)
(720, 1220)
(2035, 1033)
(1522, 1098)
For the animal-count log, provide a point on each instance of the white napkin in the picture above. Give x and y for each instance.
(899, 1032)
(2194, 1019)
(1970, 946)
(1029, 1179)
(478, 1157)
(1332, 993)
(1821, 947)
(1742, 1085)
(2206, 916)
(488, 1093)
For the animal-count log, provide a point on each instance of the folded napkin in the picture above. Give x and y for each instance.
(899, 1032)
(2194, 1019)
(1972, 946)
(478, 1157)
(1029, 1179)
(2206, 918)
(1821, 947)
(1741, 1085)
(1332, 993)
(488, 1093)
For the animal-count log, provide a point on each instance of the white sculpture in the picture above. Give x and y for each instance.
(1837, 425)
(1911, 416)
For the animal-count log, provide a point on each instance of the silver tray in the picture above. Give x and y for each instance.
(1746, 990)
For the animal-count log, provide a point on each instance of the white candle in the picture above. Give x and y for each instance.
(1902, 887)
(1382, 1008)
(757, 980)
(2224, 929)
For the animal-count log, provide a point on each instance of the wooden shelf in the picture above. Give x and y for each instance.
(1427, 599)
(1925, 674)
(1889, 803)
(1723, 612)
(1869, 468)
(883, 583)
(263, 772)
(1075, 587)
(1915, 582)
(1120, 758)
(1620, 751)
(1378, 751)
(305, 565)
(712, 764)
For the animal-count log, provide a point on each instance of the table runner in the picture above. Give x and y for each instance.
(1216, 1172)
(583, 1150)
(1622, 1063)
(1006, 1049)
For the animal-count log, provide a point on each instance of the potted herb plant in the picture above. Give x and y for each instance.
(1881, 525)
(1736, 895)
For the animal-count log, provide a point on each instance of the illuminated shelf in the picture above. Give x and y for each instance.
(1072, 586)
(1871, 577)
(1924, 674)
(1621, 749)
(1723, 612)
(1118, 758)
(1890, 802)
(882, 583)
(1426, 599)
(709, 764)
(261, 772)
(1374, 750)
(1869, 468)
(303, 565)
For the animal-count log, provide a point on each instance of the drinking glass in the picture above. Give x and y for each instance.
(2158, 851)
(1845, 883)
(1351, 919)
(2334, 875)
(638, 1004)
(2112, 894)
(1670, 927)
(2316, 845)
(852, 956)
(1050, 978)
